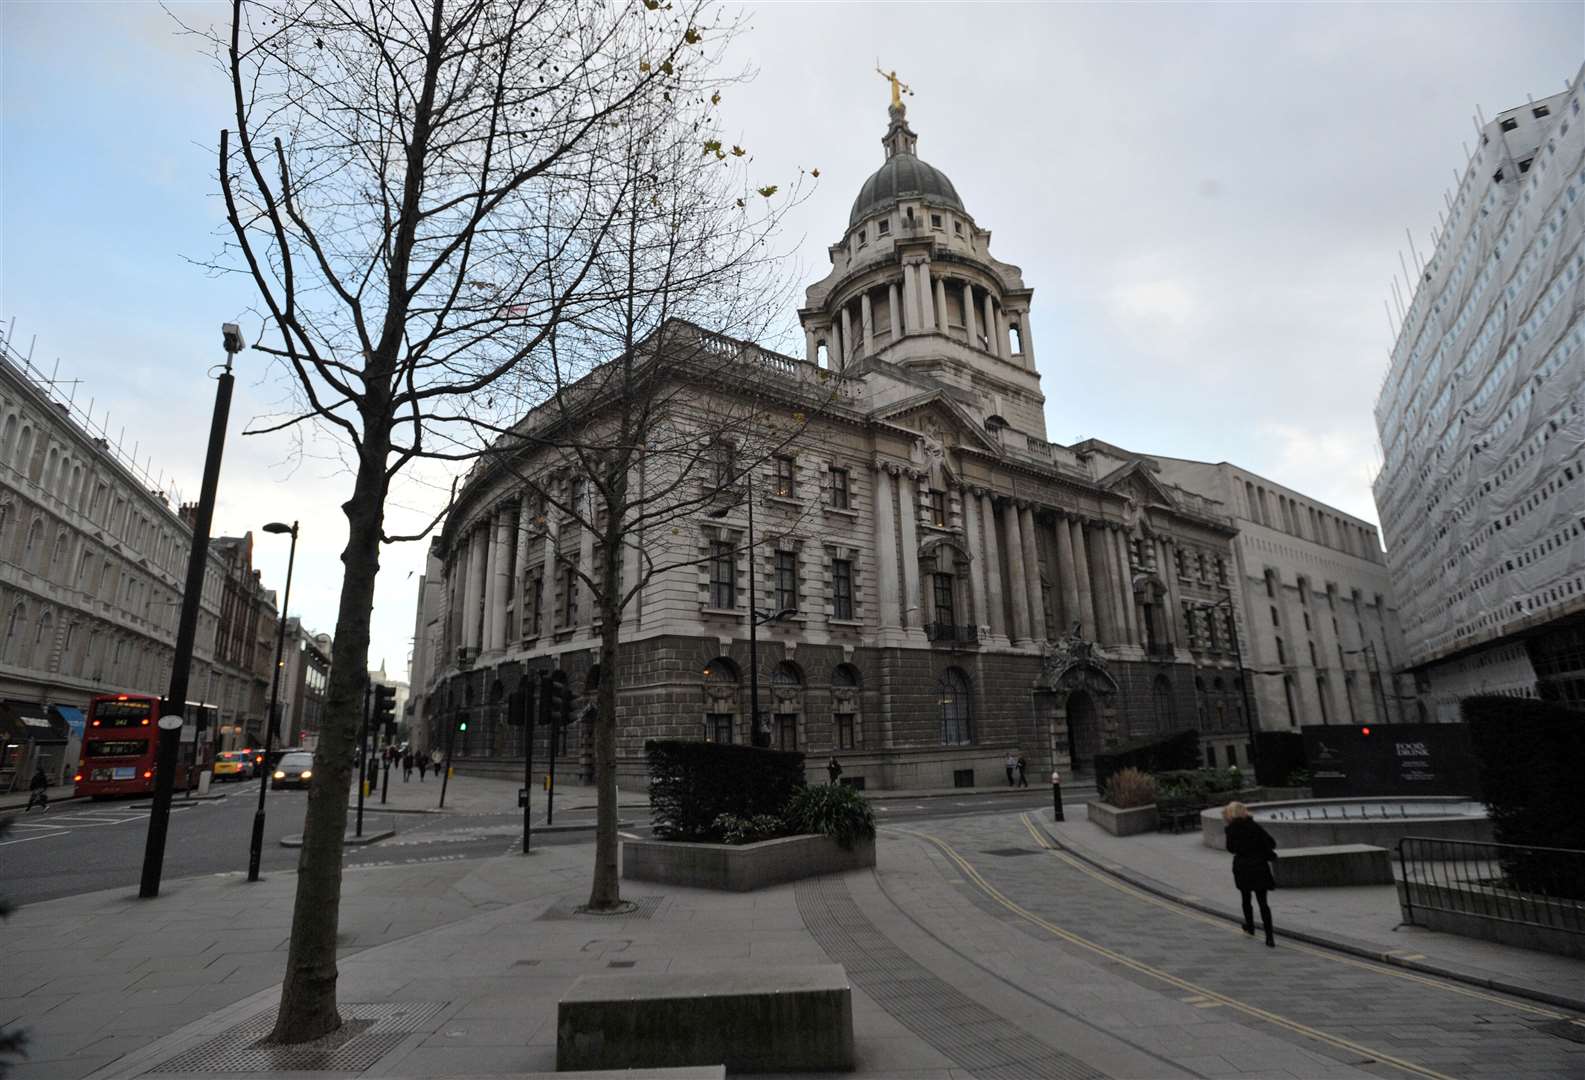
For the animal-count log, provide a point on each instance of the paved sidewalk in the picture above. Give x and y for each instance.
(1361, 918)
(485, 795)
(16, 800)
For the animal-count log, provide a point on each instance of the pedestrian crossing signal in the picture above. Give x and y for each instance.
(462, 726)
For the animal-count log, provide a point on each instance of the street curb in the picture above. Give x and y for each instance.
(369, 808)
(871, 796)
(296, 839)
(20, 806)
(1310, 937)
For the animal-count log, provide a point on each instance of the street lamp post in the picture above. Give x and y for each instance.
(256, 847)
(170, 723)
(464, 665)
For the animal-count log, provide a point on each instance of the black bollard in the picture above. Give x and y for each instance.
(1056, 797)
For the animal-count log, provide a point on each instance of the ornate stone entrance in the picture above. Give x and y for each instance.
(1075, 701)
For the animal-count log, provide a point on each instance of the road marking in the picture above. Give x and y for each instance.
(970, 872)
(629, 836)
(1337, 958)
(25, 839)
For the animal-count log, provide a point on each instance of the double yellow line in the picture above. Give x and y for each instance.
(1205, 995)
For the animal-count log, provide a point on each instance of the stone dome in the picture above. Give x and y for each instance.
(903, 174)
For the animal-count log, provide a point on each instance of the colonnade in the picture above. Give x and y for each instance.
(1089, 567)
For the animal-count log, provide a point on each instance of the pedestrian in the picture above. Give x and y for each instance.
(1023, 769)
(407, 766)
(1011, 763)
(38, 791)
(1253, 852)
(435, 759)
(423, 767)
(834, 768)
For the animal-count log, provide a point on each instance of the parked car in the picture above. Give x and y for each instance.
(293, 770)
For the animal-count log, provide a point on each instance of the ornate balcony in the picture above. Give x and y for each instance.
(962, 635)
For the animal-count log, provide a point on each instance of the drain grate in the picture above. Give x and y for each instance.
(368, 1032)
(621, 963)
(567, 908)
(1009, 852)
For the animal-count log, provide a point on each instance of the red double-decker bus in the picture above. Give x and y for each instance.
(121, 739)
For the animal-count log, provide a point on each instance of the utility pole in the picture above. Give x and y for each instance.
(170, 722)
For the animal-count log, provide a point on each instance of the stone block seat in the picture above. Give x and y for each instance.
(1335, 864)
(762, 1019)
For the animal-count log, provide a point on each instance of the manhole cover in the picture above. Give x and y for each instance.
(1009, 852)
(368, 1032)
(567, 908)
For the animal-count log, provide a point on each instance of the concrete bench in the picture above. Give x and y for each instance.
(767, 1019)
(1338, 864)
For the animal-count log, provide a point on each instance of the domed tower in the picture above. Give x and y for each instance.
(913, 284)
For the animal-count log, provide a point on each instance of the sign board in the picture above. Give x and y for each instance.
(190, 731)
(170, 723)
(35, 721)
(1390, 759)
(522, 796)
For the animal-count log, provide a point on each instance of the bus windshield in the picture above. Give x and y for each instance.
(130, 713)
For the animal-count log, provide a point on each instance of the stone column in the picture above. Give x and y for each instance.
(927, 307)
(908, 508)
(894, 312)
(867, 324)
(971, 526)
(1081, 574)
(941, 304)
(1112, 587)
(492, 560)
(886, 549)
(1180, 632)
(811, 346)
(968, 313)
(586, 555)
(834, 346)
(990, 322)
(503, 577)
(1031, 558)
(1071, 611)
(525, 525)
(1087, 552)
(1169, 622)
(847, 335)
(1017, 572)
(1125, 576)
(1003, 345)
(910, 297)
(549, 573)
(993, 567)
(473, 591)
(1026, 338)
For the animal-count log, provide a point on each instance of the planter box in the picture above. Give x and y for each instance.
(1120, 822)
(741, 867)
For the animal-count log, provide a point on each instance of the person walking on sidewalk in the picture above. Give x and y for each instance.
(435, 759)
(423, 766)
(407, 766)
(38, 791)
(1253, 852)
(1023, 770)
(834, 769)
(1011, 763)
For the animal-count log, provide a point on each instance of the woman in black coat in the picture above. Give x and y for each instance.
(1253, 851)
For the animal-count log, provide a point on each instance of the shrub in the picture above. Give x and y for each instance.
(1200, 785)
(1129, 787)
(834, 810)
(1177, 751)
(692, 783)
(740, 830)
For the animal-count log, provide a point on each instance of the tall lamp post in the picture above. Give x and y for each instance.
(175, 705)
(256, 847)
(464, 665)
(758, 736)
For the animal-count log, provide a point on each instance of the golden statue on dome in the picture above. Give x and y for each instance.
(899, 88)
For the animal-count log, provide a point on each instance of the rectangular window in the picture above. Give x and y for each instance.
(1508, 123)
(786, 581)
(723, 465)
(938, 509)
(569, 597)
(945, 615)
(536, 590)
(841, 589)
(883, 227)
(840, 499)
(1539, 111)
(1221, 571)
(935, 221)
(847, 731)
(718, 727)
(723, 576)
(784, 477)
(786, 731)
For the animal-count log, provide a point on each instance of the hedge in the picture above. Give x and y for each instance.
(1180, 750)
(692, 783)
(1531, 756)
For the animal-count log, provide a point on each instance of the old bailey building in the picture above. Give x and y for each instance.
(938, 584)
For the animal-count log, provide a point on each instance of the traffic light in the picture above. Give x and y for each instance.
(520, 704)
(385, 708)
(555, 706)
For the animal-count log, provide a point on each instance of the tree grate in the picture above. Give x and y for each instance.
(567, 908)
(962, 1029)
(369, 1031)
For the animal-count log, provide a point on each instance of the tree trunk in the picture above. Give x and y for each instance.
(606, 891)
(308, 995)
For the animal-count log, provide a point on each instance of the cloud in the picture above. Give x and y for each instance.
(1333, 464)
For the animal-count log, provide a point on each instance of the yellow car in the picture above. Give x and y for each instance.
(233, 765)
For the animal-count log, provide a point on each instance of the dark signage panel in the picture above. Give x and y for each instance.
(1390, 759)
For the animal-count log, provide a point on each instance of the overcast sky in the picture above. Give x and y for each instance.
(1208, 201)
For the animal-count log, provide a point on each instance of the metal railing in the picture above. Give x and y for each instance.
(1510, 883)
(949, 632)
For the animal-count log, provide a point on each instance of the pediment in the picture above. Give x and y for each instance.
(1137, 481)
(940, 420)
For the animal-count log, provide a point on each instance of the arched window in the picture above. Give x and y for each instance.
(957, 714)
(1320, 692)
(16, 632)
(786, 676)
(44, 641)
(1161, 703)
(721, 679)
(9, 439)
(35, 537)
(24, 450)
(62, 543)
(846, 676)
(1287, 690)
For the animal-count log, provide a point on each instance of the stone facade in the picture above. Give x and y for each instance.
(921, 545)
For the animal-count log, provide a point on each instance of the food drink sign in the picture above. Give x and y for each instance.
(1390, 759)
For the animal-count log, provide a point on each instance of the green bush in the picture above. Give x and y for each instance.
(1177, 751)
(1129, 787)
(740, 830)
(1200, 785)
(692, 783)
(834, 810)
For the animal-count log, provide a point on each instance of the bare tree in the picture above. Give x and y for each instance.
(417, 190)
(652, 411)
